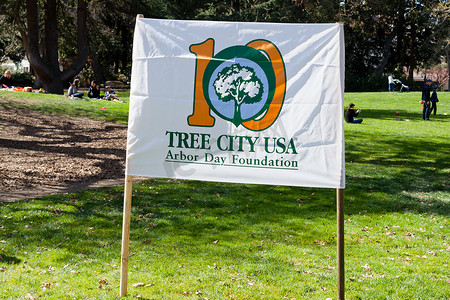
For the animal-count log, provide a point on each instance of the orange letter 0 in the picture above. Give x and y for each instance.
(280, 85)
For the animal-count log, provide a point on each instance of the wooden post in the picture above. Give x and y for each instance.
(127, 195)
(340, 244)
(125, 234)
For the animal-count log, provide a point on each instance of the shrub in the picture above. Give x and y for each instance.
(378, 83)
(22, 78)
(121, 77)
(356, 83)
(86, 75)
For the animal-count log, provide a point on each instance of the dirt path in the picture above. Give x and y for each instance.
(46, 154)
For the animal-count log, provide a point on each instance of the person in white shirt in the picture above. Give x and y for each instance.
(391, 82)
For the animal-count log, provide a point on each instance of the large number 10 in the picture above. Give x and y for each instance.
(201, 115)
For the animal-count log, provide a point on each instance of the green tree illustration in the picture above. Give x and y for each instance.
(238, 83)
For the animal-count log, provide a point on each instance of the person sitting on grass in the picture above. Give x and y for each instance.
(351, 114)
(94, 90)
(404, 87)
(6, 80)
(110, 95)
(73, 90)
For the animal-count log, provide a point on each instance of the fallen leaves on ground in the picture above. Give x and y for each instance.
(46, 150)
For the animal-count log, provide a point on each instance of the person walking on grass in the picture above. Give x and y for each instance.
(351, 114)
(426, 90)
(391, 83)
(434, 100)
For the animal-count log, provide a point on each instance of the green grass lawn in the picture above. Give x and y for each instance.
(60, 104)
(205, 240)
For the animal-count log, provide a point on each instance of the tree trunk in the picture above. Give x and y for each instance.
(412, 44)
(99, 74)
(412, 53)
(32, 45)
(386, 53)
(51, 36)
(400, 34)
(125, 41)
(50, 54)
(448, 65)
(37, 81)
(83, 46)
(46, 66)
(235, 5)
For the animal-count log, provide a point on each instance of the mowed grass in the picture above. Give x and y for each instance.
(206, 240)
(60, 104)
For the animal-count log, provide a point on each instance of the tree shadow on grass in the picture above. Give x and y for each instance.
(384, 174)
(89, 224)
(390, 114)
(412, 173)
(9, 259)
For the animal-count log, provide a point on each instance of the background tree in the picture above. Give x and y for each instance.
(286, 11)
(110, 27)
(441, 36)
(381, 36)
(384, 37)
(45, 61)
(10, 43)
(10, 46)
(439, 74)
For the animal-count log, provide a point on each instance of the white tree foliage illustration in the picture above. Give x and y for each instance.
(238, 83)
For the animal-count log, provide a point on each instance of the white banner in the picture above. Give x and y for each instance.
(238, 102)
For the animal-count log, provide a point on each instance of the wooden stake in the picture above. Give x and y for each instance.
(127, 195)
(126, 234)
(340, 244)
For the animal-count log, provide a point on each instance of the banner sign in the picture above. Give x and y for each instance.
(237, 102)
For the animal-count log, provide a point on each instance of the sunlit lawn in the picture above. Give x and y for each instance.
(60, 104)
(198, 240)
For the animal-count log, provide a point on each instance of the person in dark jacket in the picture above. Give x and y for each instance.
(94, 91)
(6, 80)
(434, 100)
(351, 114)
(426, 90)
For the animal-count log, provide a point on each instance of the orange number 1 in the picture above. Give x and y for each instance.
(201, 116)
